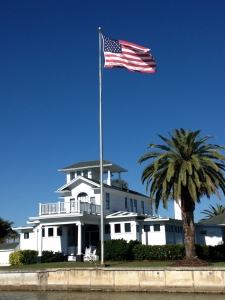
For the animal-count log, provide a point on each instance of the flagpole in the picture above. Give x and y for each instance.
(101, 147)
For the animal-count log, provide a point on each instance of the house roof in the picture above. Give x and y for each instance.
(220, 219)
(92, 165)
(64, 188)
(8, 246)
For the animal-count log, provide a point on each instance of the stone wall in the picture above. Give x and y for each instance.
(117, 279)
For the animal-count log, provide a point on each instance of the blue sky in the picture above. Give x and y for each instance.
(49, 93)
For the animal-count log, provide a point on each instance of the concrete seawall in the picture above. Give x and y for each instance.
(210, 280)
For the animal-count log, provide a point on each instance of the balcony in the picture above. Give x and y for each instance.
(68, 207)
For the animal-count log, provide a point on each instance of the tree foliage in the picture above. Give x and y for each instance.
(213, 211)
(5, 230)
(122, 182)
(186, 167)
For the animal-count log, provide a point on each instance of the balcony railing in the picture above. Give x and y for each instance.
(68, 207)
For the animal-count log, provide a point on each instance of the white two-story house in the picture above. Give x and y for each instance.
(73, 223)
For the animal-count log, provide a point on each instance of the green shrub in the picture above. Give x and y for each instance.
(115, 250)
(15, 258)
(131, 244)
(118, 250)
(29, 257)
(23, 257)
(159, 252)
(50, 256)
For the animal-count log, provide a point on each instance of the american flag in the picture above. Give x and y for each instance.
(121, 54)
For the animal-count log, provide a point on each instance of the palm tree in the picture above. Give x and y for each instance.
(213, 211)
(5, 229)
(122, 182)
(188, 168)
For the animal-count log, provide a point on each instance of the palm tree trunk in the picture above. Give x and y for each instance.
(188, 207)
(189, 234)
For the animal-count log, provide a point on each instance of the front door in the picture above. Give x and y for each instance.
(92, 235)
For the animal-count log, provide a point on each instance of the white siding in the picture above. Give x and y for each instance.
(29, 243)
(208, 235)
(4, 256)
(153, 237)
(124, 235)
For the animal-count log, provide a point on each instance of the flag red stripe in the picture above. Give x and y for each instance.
(125, 57)
(140, 71)
(121, 54)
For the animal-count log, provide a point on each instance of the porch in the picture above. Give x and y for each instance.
(68, 207)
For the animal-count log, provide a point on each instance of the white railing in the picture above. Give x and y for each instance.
(68, 207)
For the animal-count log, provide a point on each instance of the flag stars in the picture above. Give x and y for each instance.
(112, 46)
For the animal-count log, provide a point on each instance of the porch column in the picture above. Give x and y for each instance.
(79, 256)
(109, 178)
(39, 244)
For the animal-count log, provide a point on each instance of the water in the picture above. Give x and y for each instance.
(106, 296)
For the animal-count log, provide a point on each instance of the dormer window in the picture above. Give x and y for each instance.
(78, 173)
(85, 172)
(72, 175)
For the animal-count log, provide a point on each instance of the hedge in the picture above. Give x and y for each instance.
(121, 250)
(160, 252)
(28, 257)
(50, 256)
(118, 250)
(23, 257)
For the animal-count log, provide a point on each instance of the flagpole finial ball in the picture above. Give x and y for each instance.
(99, 28)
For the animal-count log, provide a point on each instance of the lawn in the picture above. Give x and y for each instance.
(109, 264)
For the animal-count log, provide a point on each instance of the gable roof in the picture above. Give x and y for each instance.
(92, 165)
(65, 186)
(96, 183)
(220, 219)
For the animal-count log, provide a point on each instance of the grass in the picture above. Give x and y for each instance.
(110, 264)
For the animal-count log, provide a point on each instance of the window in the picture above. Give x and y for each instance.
(146, 228)
(131, 205)
(59, 231)
(135, 205)
(107, 201)
(69, 231)
(117, 228)
(72, 204)
(26, 235)
(175, 227)
(125, 202)
(92, 199)
(127, 227)
(166, 227)
(72, 175)
(78, 173)
(156, 227)
(43, 232)
(73, 231)
(137, 228)
(83, 197)
(50, 231)
(85, 173)
(203, 232)
(107, 229)
(171, 228)
(142, 207)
